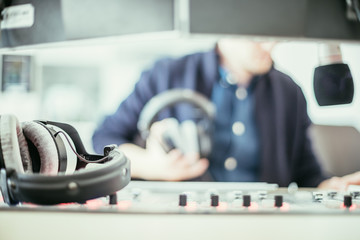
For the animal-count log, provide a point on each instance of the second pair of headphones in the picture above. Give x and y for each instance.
(188, 135)
(33, 161)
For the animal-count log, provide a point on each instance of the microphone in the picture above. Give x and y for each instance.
(333, 82)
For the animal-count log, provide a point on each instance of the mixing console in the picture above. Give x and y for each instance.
(184, 210)
(215, 197)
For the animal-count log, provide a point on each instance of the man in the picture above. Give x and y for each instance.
(260, 129)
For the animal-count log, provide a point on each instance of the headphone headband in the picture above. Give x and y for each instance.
(168, 99)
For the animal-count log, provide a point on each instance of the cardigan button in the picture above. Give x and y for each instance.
(241, 93)
(238, 128)
(230, 164)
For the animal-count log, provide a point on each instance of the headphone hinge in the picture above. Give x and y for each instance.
(6, 184)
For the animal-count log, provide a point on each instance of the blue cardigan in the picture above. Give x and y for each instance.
(280, 111)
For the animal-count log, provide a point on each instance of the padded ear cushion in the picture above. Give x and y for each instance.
(13, 145)
(189, 134)
(44, 143)
(205, 141)
(173, 133)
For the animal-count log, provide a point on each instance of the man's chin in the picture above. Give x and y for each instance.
(262, 71)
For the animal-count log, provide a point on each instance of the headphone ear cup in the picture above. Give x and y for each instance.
(14, 147)
(204, 141)
(172, 135)
(42, 147)
(190, 136)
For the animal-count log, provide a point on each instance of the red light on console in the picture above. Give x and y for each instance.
(123, 205)
(64, 205)
(253, 206)
(222, 207)
(29, 205)
(285, 207)
(191, 206)
(351, 208)
(94, 204)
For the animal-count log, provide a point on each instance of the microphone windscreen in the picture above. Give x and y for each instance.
(333, 84)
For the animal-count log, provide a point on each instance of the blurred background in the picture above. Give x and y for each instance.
(82, 80)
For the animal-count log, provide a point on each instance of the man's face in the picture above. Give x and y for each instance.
(253, 57)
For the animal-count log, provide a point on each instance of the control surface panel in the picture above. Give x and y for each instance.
(187, 210)
(213, 198)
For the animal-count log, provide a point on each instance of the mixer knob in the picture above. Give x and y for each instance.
(278, 201)
(214, 200)
(182, 200)
(136, 193)
(332, 194)
(246, 200)
(318, 196)
(262, 195)
(355, 194)
(347, 201)
(237, 194)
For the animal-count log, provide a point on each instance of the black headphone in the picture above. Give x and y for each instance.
(33, 163)
(201, 129)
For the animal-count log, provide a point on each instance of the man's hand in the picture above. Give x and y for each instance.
(154, 163)
(341, 183)
(173, 166)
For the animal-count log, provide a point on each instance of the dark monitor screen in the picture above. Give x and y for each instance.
(16, 73)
